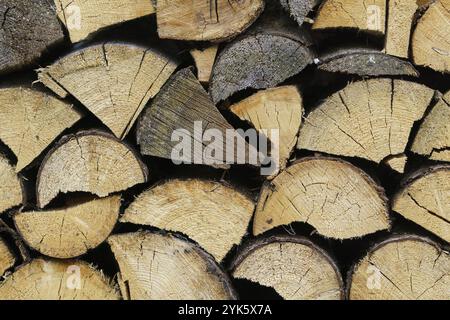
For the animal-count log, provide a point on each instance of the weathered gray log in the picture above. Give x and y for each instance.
(299, 9)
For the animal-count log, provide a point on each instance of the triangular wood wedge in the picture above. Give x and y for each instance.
(7, 257)
(83, 18)
(299, 9)
(200, 20)
(162, 267)
(294, 266)
(397, 162)
(72, 231)
(89, 161)
(11, 189)
(335, 197)
(30, 120)
(369, 119)
(213, 214)
(425, 199)
(118, 80)
(44, 279)
(204, 61)
(402, 268)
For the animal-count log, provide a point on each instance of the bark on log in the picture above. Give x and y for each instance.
(44, 279)
(295, 267)
(205, 20)
(31, 120)
(118, 81)
(213, 214)
(155, 266)
(28, 29)
(72, 231)
(11, 189)
(336, 198)
(370, 119)
(204, 61)
(402, 268)
(89, 161)
(425, 199)
(299, 9)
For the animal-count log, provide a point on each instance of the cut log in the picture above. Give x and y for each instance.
(277, 108)
(295, 267)
(335, 197)
(44, 279)
(370, 119)
(259, 60)
(23, 254)
(11, 189)
(72, 231)
(433, 138)
(431, 40)
(397, 162)
(204, 61)
(89, 161)
(83, 18)
(162, 267)
(118, 81)
(365, 63)
(205, 20)
(7, 258)
(28, 28)
(213, 214)
(402, 268)
(299, 9)
(369, 15)
(425, 199)
(30, 120)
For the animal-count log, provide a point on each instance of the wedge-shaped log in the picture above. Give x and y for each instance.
(89, 161)
(159, 267)
(11, 189)
(204, 61)
(333, 196)
(7, 257)
(118, 81)
(299, 9)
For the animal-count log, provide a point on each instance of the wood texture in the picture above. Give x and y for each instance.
(299, 9)
(397, 162)
(204, 61)
(11, 192)
(7, 258)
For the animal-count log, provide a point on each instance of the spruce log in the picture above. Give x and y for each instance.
(277, 108)
(299, 9)
(11, 189)
(44, 279)
(402, 268)
(205, 20)
(28, 29)
(369, 15)
(370, 119)
(433, 138)
(204, 61)
(294, 266)
(30, 120)
(213, 214)
(82, 18)
(338, 199)
(425, 199)
(365, 62)
(89, 161)
(72, 231)
(118, 81)
(161, 267)
(431, 40)
(7, 258)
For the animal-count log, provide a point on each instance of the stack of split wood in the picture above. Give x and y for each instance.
(93, 207)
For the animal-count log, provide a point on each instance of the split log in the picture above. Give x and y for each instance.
(43, 279)
(433, 138)
(28, 29)
(30, 120)
(425, 199)
(402, 268)
(204, 61)
(7, 258)
(365, 63)
(277, 108)
(370, 119)
(83, 18)
(369, 15)
(72, 231)
(295, 267)
(205, 20)
(397, 162)
(157, 267)
(89, 161)
(431, 40)
(299, 9)
(11, 189)
(213, 214)
(118, 81)
(23, 254)
(335, 197)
